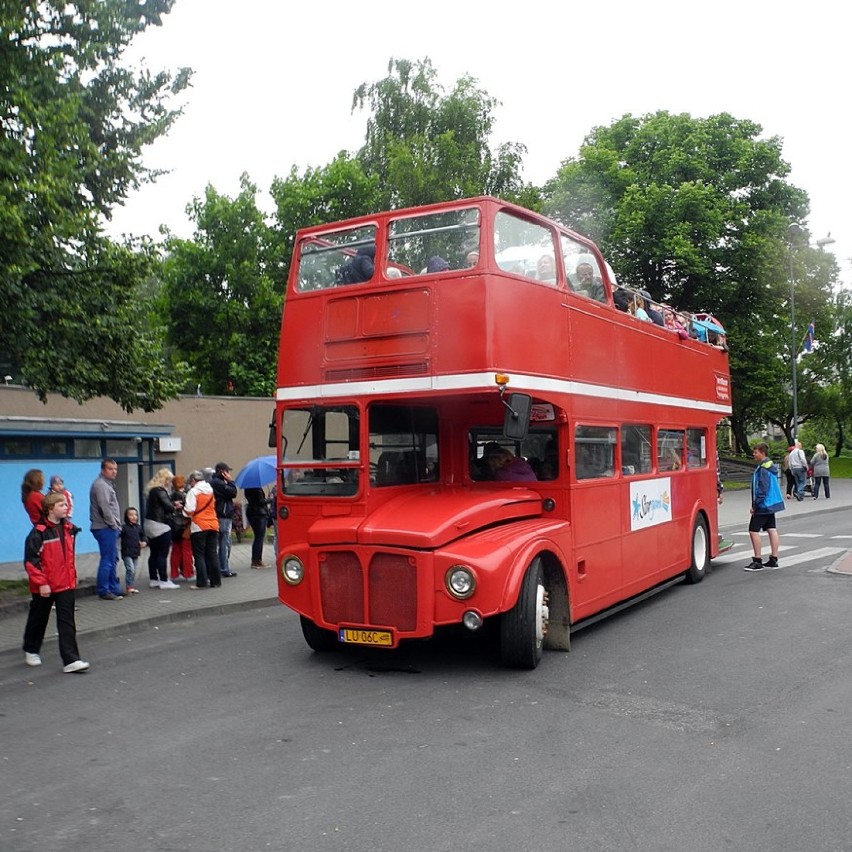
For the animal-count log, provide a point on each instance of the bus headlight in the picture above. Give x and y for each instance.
(292, 570)
(460, 581)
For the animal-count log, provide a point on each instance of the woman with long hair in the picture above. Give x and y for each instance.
(31, 494)
(159, 514)
(819, 463)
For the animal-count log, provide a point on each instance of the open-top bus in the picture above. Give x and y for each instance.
(423, 351)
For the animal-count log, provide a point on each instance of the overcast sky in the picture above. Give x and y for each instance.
(273, 84)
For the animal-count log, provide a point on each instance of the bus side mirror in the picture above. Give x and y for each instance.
(517, 420)
(273, 432)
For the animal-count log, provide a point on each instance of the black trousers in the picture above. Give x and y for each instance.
(258, 527)
(791, 482)
(66, 625)
(205, 554)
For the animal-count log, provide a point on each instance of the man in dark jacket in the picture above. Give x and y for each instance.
(224, 491)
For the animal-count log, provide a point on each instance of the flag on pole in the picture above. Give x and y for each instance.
(808, 344)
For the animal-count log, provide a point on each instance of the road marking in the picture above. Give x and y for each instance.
(789, 560)
(839, 536)
(802, 535)
(810, 556)
(737, 557)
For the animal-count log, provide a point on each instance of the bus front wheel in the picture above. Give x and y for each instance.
(318, 638)
(699, 552)
(523, 628)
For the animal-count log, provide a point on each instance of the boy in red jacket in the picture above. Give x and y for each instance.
(49, 560)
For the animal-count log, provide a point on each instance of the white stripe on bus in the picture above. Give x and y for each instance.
(485, 381)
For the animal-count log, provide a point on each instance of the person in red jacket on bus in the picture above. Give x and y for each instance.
(49, 560)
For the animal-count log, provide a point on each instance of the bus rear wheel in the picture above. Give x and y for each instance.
(318, 638)
(699, 553)
(523, 628)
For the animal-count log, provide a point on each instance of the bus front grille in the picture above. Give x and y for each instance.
(391, 590)
(341, 588)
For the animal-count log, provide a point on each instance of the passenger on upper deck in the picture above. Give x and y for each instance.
(654, 315)
(360, 268)
(622, 299)
(587, 283)
(472, 257)
(437, 264)
(546, 269)
(674, 324)
(637, 308)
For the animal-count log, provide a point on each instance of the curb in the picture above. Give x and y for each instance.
(842, 565)
(167, 618)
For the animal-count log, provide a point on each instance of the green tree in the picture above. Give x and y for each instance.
(73, 124)
(827, 372)
(696, 211)
(221, 295)
(340, 190)
(425, 146)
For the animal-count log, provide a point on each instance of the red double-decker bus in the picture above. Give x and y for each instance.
(474, 422)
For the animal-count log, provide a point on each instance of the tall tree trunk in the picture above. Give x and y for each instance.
(740, 436)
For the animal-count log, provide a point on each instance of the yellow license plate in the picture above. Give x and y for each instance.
(355, 636)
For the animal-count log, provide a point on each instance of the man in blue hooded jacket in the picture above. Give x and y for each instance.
(766, 500)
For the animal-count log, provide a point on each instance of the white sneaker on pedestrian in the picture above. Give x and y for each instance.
(154, 584)
(168, 584)
(76, 666)
(32, 659)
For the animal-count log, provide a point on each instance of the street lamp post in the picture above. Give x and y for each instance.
(794, 235)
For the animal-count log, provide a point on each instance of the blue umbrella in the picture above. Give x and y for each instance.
(257, 473)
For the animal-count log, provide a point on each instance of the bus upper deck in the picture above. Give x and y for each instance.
(441, 297)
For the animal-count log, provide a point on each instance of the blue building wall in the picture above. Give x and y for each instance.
(14, 523)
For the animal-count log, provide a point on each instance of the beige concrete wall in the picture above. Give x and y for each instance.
(211, 428)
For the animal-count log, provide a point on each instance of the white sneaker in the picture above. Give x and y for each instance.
(76, 666)
(32, 659)
(168, 584)
(154, 584)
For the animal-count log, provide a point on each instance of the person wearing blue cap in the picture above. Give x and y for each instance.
(437, 264)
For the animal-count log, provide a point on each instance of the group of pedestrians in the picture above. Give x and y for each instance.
(186, 531)
(797, 471)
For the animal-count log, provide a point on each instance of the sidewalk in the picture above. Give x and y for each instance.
(734, 514)
(252, 588)
(257, 588)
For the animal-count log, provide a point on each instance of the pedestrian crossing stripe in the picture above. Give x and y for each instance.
(787, 561)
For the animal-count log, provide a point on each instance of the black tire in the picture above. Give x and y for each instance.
(699, 552)
(522, 629)
(318, 638)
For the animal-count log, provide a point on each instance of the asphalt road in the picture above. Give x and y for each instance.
(706, 718)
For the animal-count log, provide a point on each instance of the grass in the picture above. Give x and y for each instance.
(22, 587)
(840, 468)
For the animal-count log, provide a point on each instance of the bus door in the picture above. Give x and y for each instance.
(596, 511)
